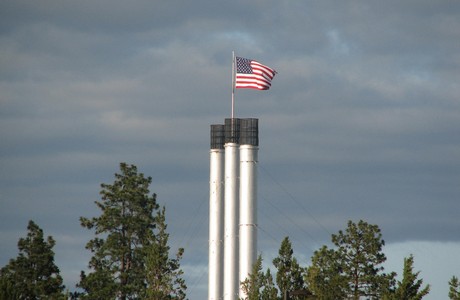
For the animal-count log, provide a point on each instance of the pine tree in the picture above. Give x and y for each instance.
(253, 284)
(7, 290)
(33, 274)
(259, 285)
(163, 277)
(289, 276)
(360, 255)
(354, 269)
(269, 291)
(325, 275)
(124, 236)
(409, 287)
(454, 288)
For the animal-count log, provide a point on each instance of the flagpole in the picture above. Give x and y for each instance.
(233, 83)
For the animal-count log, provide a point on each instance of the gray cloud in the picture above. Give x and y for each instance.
(361, 121)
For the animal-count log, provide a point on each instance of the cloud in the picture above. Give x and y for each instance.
(360, 121)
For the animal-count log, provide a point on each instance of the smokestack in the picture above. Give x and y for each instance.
(216, 213)
(232, 206)
(249, 146)
(231, 248)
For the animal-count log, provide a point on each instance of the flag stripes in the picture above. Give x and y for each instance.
(251, 74)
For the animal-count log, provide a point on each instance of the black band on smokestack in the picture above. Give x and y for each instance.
(249, 132)
(217, 136)
(232, 130)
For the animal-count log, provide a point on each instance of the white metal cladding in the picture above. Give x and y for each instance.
(216, 224)
(248, 211)
(231, 248)
(233, 156)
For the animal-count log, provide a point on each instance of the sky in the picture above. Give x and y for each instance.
(361, 121)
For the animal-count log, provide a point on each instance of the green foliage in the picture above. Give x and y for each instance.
(163, 274)
(354, 269)
(259, 285)
(324, 276)
(33, 274)
(269, 290)
(126, 243)
(409, 287)
(289, 276)
(7, 290)
(454, 288)
(360, 256)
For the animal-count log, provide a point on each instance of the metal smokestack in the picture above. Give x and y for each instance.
(233, 206)
(249, 146)
(216, 213)
(231, 248)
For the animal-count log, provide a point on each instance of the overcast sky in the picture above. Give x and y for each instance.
(362, 120)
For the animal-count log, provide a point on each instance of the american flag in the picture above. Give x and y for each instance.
(251, 74)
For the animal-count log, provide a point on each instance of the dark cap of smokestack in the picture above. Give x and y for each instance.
(217, 136)
(249, 132)
(232, 130)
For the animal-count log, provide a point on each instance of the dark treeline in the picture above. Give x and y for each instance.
(131, 259)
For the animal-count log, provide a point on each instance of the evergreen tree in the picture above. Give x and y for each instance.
(354, 269)
(33, 274)
(454, 288)
(360, 255)
(289, 276)
(7, 290)
(164, 279)
(325, 277)
(259, 285)
(409, 287)
(269, 291)
(254, 283)
(124, 236)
